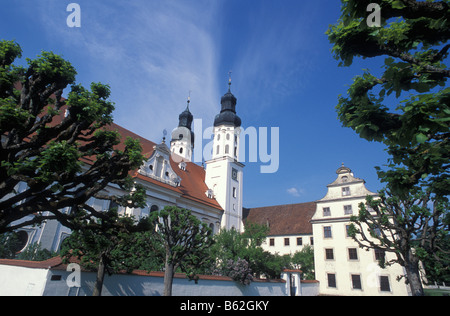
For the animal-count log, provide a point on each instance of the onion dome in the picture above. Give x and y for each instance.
(227, 114)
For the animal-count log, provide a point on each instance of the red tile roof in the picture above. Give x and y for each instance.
(192, 186)
(292, 219)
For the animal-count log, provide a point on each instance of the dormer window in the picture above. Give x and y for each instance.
(210, 194)
(345, 191)
(182, 166)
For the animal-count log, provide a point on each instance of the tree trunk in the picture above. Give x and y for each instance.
(168, 277)
(100, 276)
(413, 275)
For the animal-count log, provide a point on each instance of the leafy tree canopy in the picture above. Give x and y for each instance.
(57, 153)
(407, 107)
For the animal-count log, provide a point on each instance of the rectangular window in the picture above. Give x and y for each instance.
(329, 254)
(384, 284)
(348, 210)
(346, 191)
(299, 241)
(234, 192)
(380, 255)
(352, 254)
(311, 241)
(331, 280)
(327, 232)
(356, 282)
(286, 241)
(272, 242)
(326, 211)
(347, 227)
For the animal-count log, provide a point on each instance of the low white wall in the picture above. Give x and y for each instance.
(21, 281)
(139, 285)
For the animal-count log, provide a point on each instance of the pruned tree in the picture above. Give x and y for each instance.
(411, 228)
(57, 153)
(105, 246)
(185, 240)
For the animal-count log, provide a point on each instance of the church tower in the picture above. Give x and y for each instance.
(182, 143)
(224, 173)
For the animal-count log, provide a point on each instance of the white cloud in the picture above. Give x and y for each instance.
(152, 53)
(295, 192)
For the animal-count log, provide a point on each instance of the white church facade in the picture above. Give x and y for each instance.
(214, 193)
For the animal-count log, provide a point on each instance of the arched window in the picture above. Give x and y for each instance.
(218, 148)
(154, 208)
(227, 149)
(212, 228)
(181, 150)
(21, 241)
(228, 136)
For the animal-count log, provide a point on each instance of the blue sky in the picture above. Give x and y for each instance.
(153, 53)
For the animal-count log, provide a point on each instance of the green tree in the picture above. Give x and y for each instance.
(57, 153)
(105, 247)
(9, 245)
(304, 260)
(407, 108)
(34, 252)
(185, 240)
(412, 228)
(232, 246)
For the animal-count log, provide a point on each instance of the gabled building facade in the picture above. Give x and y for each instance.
(342, 268)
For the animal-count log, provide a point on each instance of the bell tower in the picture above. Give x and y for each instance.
(182, 143)
(224, 173)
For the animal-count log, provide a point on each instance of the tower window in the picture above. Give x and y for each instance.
(227, 149)
(181, 150)
(217, 151)
(228, 136)
(234, 192)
